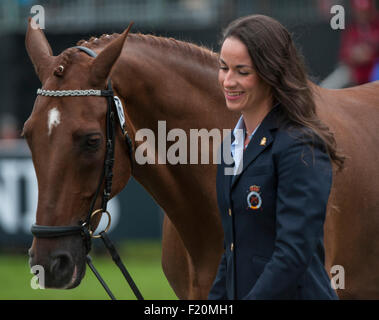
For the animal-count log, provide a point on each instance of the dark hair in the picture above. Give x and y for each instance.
(277, 62)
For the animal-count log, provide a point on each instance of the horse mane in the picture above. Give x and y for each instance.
(201, 53)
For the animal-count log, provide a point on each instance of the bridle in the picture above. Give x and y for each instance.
(84, 227)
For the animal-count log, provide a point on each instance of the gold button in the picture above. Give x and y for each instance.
(230, 212)
(231, 246)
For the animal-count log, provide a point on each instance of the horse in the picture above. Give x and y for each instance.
(158, 79)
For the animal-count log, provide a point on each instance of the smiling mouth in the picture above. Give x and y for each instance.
(234, 95)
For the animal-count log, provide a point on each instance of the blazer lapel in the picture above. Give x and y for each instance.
(260, 141)
(227, 186)
(226, 178)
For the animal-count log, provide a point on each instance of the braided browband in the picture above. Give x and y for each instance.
(74, 93)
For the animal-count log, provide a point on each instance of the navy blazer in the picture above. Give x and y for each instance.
(273, 215)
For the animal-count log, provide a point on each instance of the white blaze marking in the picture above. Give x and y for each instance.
(53, 119)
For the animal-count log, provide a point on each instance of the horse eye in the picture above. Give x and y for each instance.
(92, 143)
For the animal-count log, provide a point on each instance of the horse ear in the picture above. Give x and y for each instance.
(102, 64)
(38, 49)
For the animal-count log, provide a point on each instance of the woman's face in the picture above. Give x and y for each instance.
(242, 87)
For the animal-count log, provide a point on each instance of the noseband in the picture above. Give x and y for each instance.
(84, 227)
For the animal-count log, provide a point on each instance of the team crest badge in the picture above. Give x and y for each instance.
(263, 141)
(254, 199)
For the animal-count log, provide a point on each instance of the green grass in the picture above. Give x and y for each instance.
(142, 260)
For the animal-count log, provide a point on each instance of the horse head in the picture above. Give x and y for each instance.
(67, 139)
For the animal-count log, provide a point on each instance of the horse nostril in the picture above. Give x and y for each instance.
(60, 264)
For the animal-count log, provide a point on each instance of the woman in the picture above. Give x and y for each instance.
(273, 208)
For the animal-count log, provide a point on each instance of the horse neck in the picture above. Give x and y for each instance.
(164, 78)
(164, 81)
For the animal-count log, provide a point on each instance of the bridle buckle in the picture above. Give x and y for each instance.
(96, 212)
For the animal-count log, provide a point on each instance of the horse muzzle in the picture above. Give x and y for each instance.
(58, 269)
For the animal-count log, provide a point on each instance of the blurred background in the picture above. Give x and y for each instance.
(335, 58)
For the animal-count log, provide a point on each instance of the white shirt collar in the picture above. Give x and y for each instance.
(240, 125)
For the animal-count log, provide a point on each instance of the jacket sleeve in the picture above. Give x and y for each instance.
(218, 290)
(304, 180)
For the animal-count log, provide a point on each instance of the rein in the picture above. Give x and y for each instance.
(84, 227)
